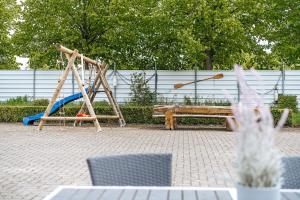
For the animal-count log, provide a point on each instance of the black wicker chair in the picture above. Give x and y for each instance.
(131, 170)
(291, 175)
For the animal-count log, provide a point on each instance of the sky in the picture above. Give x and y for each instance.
(23, 62)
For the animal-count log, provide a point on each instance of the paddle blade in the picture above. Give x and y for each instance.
(218, 76)
(179, 85)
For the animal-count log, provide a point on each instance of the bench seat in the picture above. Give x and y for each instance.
(170, 113)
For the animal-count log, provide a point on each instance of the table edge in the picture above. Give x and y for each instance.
(231, 190)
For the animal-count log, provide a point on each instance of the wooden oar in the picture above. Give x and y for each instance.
(217, 76)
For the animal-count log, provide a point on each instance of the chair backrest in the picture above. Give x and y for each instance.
(291, 175)
(131, 170)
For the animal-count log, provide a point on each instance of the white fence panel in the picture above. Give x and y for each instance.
(41, 84)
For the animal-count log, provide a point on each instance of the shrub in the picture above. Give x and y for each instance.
(40, 102)
(132, 114)
(100, 103)
(278, 112)
(187, 100)
(17, 101)
(213, 102)
(140, 90)
(296, 119)
(286, 101)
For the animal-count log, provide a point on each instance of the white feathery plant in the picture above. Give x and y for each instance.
(258, 159)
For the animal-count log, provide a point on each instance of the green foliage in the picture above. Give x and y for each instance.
(284, 18)
(287, 101)
(17, 101)
(187, 100)
(132, 114)
(8, 12)
(40, 102)
(140, 90)
(75, 24)
(100, 103)
(277, 114)
(177, 34)
(296, 119)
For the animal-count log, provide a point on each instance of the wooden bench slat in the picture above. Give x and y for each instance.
(107, 116)
(195, 115)
(68, 118)
(158, 115)
(170, 113)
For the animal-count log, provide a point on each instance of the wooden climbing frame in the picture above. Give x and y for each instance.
(88, 96)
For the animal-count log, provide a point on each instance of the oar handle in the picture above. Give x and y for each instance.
(217, 76)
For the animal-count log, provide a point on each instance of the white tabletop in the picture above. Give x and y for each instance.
(159, 193)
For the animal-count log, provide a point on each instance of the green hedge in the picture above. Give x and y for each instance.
(132, 114)
(277, 113)
(288, 101)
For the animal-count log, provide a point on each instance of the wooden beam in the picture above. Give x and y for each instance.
(208, 116)
(195, 115)
(86, 98)
(111, 98)
(195, 109)
(86, 59)
(169, 120)
(107, 117)
(58, 88)
(68, 118)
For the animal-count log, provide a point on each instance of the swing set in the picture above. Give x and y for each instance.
(86, 112)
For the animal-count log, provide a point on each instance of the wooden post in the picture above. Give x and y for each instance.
(85, 97)
(169, 120)
(91, 94)
(110, 97)
(58, 88)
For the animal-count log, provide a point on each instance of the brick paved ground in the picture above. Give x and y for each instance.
(32, 163)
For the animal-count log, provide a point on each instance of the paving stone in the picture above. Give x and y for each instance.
(33, 163)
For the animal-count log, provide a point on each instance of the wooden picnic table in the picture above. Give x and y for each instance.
(151, 193)
(171, 112)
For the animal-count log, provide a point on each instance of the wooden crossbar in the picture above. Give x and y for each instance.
(69, 118)
(86, 59)
(195, 115)
(107, 117)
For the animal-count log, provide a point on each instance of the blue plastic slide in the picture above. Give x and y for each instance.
(30, 119)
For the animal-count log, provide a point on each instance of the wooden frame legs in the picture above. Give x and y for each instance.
(61, 82)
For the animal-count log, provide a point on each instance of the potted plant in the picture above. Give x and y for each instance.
(259, 165)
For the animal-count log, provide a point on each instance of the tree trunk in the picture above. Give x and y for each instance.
(208, 62)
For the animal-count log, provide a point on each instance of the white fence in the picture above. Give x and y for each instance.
(41, 84)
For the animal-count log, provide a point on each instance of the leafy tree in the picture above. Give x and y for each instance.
(284, 23)
(184, 34)
(75, 24)
(176, 34)
(215, 32)
(142, 36)
(8, 10)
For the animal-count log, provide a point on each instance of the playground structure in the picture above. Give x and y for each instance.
(86, 112)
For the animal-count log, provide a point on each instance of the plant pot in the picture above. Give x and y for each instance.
(247, 193)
